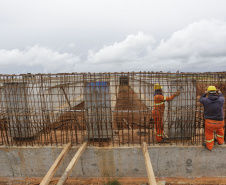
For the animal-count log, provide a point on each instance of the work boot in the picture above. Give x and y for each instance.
(215, 141)
(204, 144)
(164, 140)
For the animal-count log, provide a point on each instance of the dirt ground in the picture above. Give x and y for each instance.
(123, 181)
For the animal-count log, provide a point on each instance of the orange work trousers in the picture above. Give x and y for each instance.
(157, 114)
(210, 127)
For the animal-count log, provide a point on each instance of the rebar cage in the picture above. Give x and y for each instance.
(105, 109)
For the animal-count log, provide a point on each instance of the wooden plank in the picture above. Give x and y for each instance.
(74, 102)
(150, 172)
(72, 164)
(46, 180)
(69, 103)
(127, 124)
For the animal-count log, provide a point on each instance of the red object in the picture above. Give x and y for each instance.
(157, 113)
(210, 127)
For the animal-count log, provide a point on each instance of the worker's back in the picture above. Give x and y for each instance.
(213, 106)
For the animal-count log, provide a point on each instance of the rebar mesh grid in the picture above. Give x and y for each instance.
(105, 109)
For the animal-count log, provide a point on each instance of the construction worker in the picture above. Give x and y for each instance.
(158, 110)
(214, 119)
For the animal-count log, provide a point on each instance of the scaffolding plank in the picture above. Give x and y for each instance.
(46, 180)
(150, 172)
(72, 164)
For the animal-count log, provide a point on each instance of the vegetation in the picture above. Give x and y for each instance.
(112, 182)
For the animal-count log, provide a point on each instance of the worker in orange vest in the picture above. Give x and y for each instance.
(214, 117)
(158, 110)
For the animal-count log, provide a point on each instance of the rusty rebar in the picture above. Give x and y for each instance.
(105, 109)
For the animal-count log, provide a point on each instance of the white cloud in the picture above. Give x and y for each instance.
(200, 39)
(198, 47)
(42, 59)
(133, 48)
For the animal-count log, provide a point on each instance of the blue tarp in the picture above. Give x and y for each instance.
(97, 84)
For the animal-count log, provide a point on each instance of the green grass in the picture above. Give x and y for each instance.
(112, 182)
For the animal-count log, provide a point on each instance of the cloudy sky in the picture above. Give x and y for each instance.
(54, 36)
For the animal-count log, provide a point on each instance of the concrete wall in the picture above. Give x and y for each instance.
(115, 162)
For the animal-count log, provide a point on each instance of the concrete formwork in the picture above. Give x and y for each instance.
(32, 106)
(17, 105)
(100, 101)
(172, 161)
(98, 110)
(181, 110)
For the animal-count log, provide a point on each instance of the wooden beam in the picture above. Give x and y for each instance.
(46, 180)
(74, 102)
(127, 124)
(69, 103)
(72, 164)
(150, 172)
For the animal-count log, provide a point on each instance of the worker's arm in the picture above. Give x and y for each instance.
(221, 97)
(168, 98)
(171, 97)
(203, 98)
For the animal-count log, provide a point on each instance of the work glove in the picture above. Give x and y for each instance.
(218, 90)
(177, 93)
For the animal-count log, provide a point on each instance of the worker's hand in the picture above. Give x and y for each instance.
(177, 93)
(218, 91)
